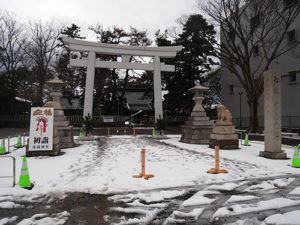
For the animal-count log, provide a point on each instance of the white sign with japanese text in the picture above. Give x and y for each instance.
(108, 119)
(41, 129)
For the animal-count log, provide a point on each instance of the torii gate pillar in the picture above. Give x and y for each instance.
(157, 89)
(89, 85)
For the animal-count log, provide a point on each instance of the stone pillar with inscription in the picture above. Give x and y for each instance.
(272, 115)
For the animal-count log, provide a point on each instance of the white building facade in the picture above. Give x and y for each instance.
(234, 96)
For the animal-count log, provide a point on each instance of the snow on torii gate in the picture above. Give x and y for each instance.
(125, 52)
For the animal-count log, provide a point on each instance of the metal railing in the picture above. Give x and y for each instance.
(14, 169)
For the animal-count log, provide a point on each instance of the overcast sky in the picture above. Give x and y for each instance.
(142, 14)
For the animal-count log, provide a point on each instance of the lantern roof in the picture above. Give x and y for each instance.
(198, 87)
(56, 81)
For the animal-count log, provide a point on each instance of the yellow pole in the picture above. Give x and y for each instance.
(217, 158)
(143, 162)
(134, 132)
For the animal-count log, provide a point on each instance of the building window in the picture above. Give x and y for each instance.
(291, 36)
(255, 50)
(231, 89)
(292, 77)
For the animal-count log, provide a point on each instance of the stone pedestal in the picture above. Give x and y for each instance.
(224, 136)
(63, 130)
(197, 129)
(272, 115)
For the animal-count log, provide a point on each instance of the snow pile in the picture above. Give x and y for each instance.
(148, 217)
(296, 191)
(240, 198)
(8, 220)
(200, 199)
(8, 205)
(255, 207)
(195, 213)
(226, 187)
(154, 196)
(284, 219)
(44, 219)
(270, 185)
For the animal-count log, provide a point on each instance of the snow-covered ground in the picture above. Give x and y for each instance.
(107, 167)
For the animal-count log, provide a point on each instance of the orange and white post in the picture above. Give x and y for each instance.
(217, 163)
(143, 169)
(134, 135)
(108, 130)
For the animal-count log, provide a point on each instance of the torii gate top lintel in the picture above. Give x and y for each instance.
(116, 49)
(125, 51)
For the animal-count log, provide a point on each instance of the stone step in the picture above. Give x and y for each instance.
(60, 118)
(198, 118)
(200, 114)
(61, 123)
(198, 123)
(58, 112)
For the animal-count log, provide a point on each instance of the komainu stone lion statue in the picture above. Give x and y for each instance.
(223, 114)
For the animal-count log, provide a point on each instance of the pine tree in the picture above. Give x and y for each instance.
(195, 59)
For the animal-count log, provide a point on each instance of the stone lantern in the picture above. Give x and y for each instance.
(197, 128)
(62, 126)
(198, 92)
(56, 91)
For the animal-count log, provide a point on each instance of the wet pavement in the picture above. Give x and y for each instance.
(160, 207)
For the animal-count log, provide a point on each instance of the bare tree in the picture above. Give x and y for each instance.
(12, 54)
(245, 27)
(41, 49)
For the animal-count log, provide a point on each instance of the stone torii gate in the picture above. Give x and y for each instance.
(125, 52)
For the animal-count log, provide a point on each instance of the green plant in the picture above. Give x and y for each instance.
(88, 123)
(161, 124)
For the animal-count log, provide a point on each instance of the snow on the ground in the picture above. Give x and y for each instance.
(251, 221)
(153, 196)
(195, 213)
(248, 154)
(270, 184)
(238, 209)
(296, 191)
(200, 199)
(148, 216)
(8, 205)
(240, 198)
(226, 187)
(8, 220)
(110, 167)
(284, 219)
(45, 219)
